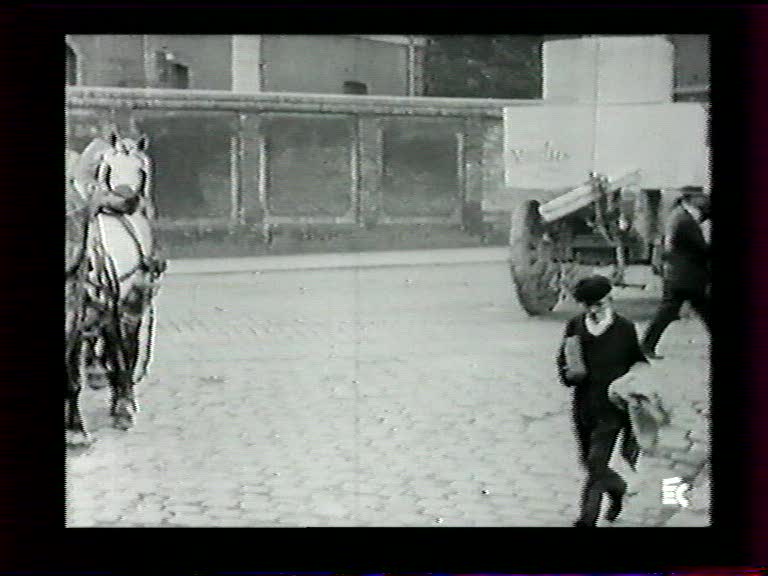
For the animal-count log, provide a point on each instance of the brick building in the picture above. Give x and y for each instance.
(323, 64)
(272, 156)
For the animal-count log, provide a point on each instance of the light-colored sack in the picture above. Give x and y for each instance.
(647, 415)
(638, 393)
(574, 358)
(640, 380)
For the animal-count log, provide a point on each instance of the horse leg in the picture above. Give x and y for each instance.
(95, 357)
(131, 343)
(131, 347)
(123, 404)
(76, 431)
(96, 364)
(123, 408)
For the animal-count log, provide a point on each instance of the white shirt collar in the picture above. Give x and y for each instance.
(597, 328)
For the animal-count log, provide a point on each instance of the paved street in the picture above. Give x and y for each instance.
(397, 396)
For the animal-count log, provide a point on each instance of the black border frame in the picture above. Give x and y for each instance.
(32, 536)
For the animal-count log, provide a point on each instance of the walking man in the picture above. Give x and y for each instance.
(599, 348)
(686, 267)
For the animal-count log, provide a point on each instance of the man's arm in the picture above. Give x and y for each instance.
(688, 237)
(560, 361)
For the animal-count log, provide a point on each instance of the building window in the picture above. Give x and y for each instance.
(179, 76)
(352, 87)
(71, 66)
(171, 74)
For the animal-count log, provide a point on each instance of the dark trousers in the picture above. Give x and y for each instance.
(597, 439)
(669, 311)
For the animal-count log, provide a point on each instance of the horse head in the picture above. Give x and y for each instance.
(125, 165)
(129, 146)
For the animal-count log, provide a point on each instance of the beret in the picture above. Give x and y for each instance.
(591, 289)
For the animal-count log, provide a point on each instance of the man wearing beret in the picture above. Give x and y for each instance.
(599, 347)
(686, 266)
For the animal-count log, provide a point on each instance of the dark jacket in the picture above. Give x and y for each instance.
(606, 357)
(687, 258)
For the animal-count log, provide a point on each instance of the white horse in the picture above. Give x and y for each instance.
(113, 178)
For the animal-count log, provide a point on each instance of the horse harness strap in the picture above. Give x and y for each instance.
(146, 263)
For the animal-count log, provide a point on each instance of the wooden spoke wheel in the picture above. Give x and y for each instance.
(534, 273)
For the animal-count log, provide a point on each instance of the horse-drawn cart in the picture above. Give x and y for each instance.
(614, 216)
(590, 182)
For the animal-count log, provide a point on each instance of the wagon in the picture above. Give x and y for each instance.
(591, 186)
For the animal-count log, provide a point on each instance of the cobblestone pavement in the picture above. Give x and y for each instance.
(413, 396)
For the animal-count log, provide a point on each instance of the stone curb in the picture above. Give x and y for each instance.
(336, 261)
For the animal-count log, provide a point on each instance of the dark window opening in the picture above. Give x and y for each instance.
(179, 76)
(161, 67)
(351, 87)
(71, 66)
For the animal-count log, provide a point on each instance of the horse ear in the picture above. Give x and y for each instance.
(143, 142)
(112, 138)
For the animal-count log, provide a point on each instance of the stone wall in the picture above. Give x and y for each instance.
(224, 159)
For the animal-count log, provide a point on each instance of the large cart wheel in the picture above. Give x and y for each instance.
(535, 275)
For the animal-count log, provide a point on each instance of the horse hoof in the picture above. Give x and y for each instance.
(123, 422)
(77, 438)
(97, 381)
